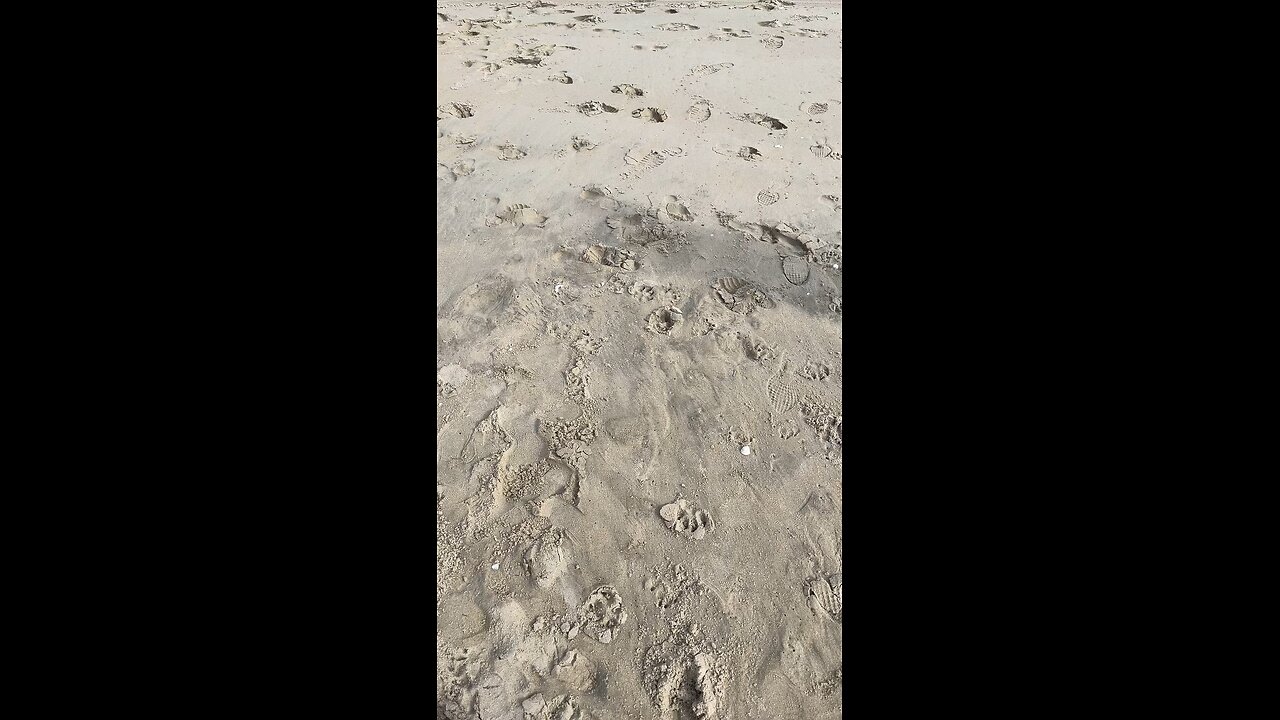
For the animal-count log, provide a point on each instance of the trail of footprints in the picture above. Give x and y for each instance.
(684, 677)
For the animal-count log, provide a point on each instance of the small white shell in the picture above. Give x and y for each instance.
(746, 449)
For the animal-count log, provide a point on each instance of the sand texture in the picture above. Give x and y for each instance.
(638, 322)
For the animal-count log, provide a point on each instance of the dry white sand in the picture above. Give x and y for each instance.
(638, 220)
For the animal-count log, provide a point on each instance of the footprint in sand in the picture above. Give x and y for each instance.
(795, 269)
(814, 108)
(782, 394)
(574, 670)
(673, 26)
(628, 90)
(815, 370)
(547, 560)
(510, 152)
(699, 111)
(741, 296)
(595, 107)
(462, 168)
(650, 114)
(686, 519)
(521, 215)
(563, 77)
(675, 209)
(825, 596)
(704, 70)
(745, 152)
(772, 42)
(491, 698)
(762, 120)
(581, 143)
(453, 109)
(664, 321)
(604, 614)
(601, 196)
(611, 256)
(642, 162)
(767, 197)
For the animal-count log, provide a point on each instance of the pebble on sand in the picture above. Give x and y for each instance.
(746, 449)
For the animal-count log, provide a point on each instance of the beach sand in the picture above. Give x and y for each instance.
(639, 306)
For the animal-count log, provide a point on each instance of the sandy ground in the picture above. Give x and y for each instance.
(638, 220)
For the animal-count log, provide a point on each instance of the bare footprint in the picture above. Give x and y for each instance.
(741, 296)
(595, 107)
(762, 120)
(601, 196)
(675, 209)
(453, 109)
(611, 256)
(521, 215)
(745, 152)
(628, 90)
(510, 152)
(650, 114)
(547, 560)
(699, 111)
